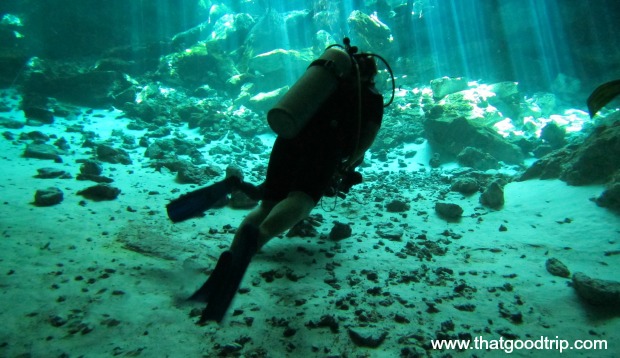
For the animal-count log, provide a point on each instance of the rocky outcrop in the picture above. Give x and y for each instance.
(593, 161)
(452, 135)
(596, 291)
(610, 198)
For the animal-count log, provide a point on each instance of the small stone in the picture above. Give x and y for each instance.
(448, 210)
(51, 173)
(366, 339)
(557, 268)
(100, 192)
(48, 197)
(340, 231)
(493, 196)
(465, 186)
(397, 206)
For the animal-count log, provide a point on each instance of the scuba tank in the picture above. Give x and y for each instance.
(293, 111)
(289, 116)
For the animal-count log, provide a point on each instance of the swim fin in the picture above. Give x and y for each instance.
(198, 201)
(215, 280)
(602, 95)
(226, 282)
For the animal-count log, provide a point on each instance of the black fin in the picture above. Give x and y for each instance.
(222, 296)
(215, 280)
(602, 95)
(198, 201)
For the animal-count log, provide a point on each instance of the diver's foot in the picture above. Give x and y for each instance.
(215, 280)
(222, 295)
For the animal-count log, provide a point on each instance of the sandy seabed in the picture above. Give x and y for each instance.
(110, 278)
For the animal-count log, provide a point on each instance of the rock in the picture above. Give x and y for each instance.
(474, 158)
(39, 114)
(265, 100)
(197, 64)
(465, 186)
(91, 167)
(48, 197)
(366, 338)
(168, 148)
(448, 211)
(91, 170)
(368, 33)
(10, 123)
(392, 234)
(452, 135)
(596, 291)
(593, 161)
(444, 86)
(193, 174)
(507, 98)
(304, 228)
(95, 178)
(51, 173)
(493, 196)
(610, 198)
(325, 321)
(397, 206)
(85, 86)
(43, 151)
(112, 155)
(554, 135)
(100, 192)
(340, 231)
(278, 60)
(557, 268)
(435, 161)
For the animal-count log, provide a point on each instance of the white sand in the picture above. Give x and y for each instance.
(49, 254)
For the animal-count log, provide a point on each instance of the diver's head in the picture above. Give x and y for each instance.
(367, 67)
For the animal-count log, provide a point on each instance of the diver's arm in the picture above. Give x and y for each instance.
(367, 137)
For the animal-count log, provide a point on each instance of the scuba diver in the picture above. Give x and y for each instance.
(325, 123)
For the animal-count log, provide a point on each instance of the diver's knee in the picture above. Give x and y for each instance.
(302, 199)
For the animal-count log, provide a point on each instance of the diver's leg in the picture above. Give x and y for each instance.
(284, 215)
(223, 266)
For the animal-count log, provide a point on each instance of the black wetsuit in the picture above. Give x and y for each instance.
(309, 161)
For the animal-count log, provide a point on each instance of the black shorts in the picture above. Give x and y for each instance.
(301, 164)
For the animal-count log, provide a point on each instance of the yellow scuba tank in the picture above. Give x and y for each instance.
(289, 116)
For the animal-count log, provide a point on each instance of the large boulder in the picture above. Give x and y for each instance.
(610, 198)
(593, 161)
(76, 83)
(203, 63)
(452, 135)
(281, 67)
(369, 34)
